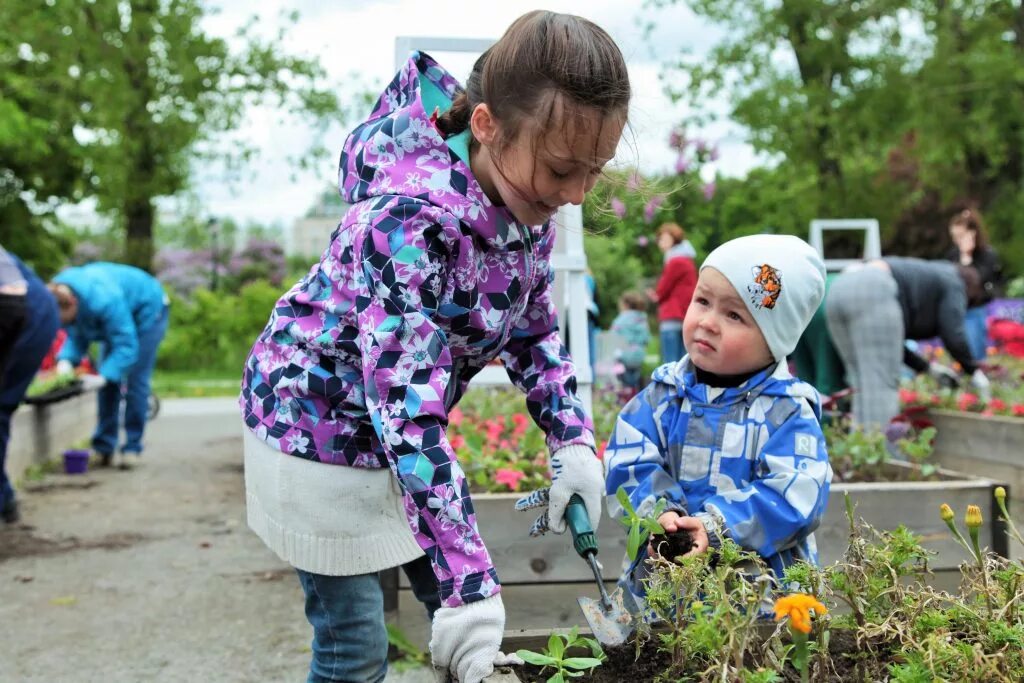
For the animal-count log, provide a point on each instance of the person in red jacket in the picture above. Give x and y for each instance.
(674, 290)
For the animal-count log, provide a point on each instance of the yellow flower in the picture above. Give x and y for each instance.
(946, 512)
(1000, 494)
(798, 606)
(972, 518)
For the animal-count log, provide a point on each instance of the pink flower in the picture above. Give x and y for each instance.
(601, 449)
(505, 445)
(642, 241)
(521, 423)
(494, 429)
(455, 417)
(682, 165)
(618, 207)
(709, 190)
(714, 153)
(509, 478)
(652, 207)
(908, 396)
(634, 182)
(457, 442)
(1018, 409)
(966, 401)
(997, 404)
(677, 139)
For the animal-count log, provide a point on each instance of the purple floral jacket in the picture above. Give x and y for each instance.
(424, 283)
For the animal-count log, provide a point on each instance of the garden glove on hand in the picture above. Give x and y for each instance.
(574, 469)
(981, 385)
(946, 377)
(465, 640)
(93, 382)
(64, 367)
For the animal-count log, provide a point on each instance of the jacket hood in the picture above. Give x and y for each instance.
(683, 249)
(775, 381)
(399, 151)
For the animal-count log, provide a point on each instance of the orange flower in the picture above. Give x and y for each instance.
(798, 606)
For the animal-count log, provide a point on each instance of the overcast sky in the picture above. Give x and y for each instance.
(359, 36)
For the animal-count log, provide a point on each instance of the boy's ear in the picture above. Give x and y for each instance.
(484, 126)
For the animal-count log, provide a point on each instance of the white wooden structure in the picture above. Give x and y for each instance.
(872, 240)
(568, 259)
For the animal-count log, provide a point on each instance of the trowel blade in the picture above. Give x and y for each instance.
(612, 626)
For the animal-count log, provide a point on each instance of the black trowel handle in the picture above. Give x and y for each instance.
(584, 540)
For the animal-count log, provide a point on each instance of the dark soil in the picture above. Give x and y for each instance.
(18, 540)
(673, 545)
(850, 662)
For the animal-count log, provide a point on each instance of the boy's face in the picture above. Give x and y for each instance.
(719, 333)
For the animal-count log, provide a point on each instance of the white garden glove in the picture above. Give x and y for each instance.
(64, 367)
(982, 386)
(945, 376)
(93, 382)
(465, 640)
(574, 469)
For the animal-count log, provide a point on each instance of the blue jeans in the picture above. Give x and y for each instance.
(27, 354)
(136, 397)
(976, 329)
(670, 333)
(350, 640)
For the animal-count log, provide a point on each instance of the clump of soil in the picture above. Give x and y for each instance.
(672, 545)
(20, 541)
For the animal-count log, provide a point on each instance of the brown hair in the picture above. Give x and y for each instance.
(633, 300)
(543, 55)
(67, 302)
(973, 286)
(971, 219)
(672, 230)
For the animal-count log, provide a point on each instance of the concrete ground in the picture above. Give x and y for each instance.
(152, 574)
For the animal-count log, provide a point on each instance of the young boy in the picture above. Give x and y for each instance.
(726, 435)
(631, 325)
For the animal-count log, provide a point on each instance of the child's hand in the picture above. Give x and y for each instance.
(671, 521)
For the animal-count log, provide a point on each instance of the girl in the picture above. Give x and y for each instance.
(971, 248)
(441, 265)
(674, 289)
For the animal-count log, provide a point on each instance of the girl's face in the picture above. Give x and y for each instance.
(540, 170)
(665, 241)
(719, 333)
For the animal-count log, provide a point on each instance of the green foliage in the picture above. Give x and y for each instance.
(554, 656)
(214, 332)
(116, 100)
(863, 114)
(640, 527)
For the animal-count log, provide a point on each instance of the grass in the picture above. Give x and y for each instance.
(193, 384)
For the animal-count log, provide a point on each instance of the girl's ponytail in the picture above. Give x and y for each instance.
(456, 119)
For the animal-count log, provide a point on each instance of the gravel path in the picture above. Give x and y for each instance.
(151, 575)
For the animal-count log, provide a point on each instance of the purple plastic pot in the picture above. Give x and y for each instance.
(76, 461)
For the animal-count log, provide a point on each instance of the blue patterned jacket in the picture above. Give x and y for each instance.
(750, 461)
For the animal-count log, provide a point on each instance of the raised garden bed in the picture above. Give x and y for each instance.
(520, 559)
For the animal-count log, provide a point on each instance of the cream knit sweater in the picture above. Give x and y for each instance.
(326, 519)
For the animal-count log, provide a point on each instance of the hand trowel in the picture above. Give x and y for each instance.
(608, 617)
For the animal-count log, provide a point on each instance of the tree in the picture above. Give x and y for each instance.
(145, 93)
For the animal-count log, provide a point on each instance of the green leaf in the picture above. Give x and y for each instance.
(557, 678)
(535, 658)
(556, 646)
(581, 662)
(633, 541)
(623, 499)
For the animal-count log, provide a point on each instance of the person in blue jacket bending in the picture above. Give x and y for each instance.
(125, 309)
(28, 324)
(726, 436)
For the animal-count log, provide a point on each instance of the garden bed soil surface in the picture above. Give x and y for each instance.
(851, 662)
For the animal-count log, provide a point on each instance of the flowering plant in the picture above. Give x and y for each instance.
(499, 446)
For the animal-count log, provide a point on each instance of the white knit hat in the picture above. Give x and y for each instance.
(780, 278)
